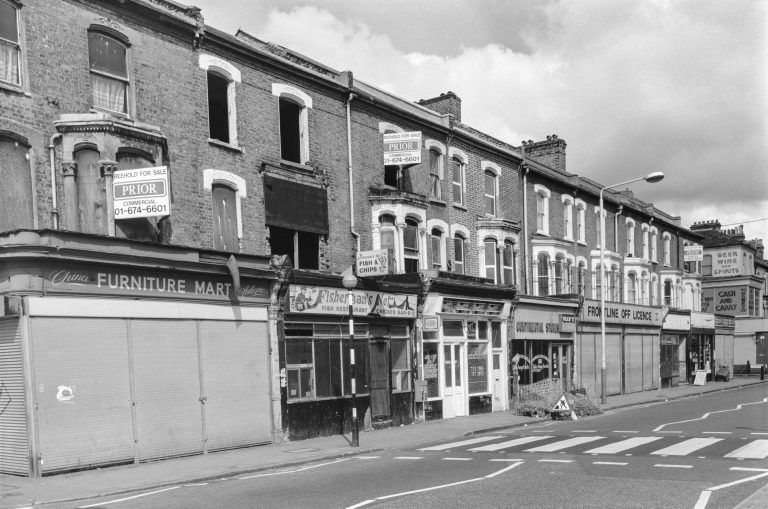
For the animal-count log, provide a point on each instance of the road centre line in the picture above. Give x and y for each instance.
(664, 465)
(431, 488)
(555, 461)
(747, 469)
(718, 432)
(618, 463)
(758, 433)
(505, 460)
(409, 457)
(584, 431)
(625, 431)
(706, 415)
(457, 459)
(668, 431)
(367, 457)
(129, 498)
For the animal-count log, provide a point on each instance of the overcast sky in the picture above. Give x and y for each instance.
(632, 86)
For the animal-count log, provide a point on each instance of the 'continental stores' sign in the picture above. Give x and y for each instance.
(616, 312)
(319, 300)
(151, 284)
(543, 324)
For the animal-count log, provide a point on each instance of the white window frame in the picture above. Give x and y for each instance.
(211, 63)
(495, 170)
(21, 48)
(654, 244)
(495, 242)
(567, 216)
(434, 145)
(213, 176)
(289, 92)
(442, 227)
(646, 252)
(630, 223)
(581, 226)
(461, 157)
(667, 242)
(542, 208)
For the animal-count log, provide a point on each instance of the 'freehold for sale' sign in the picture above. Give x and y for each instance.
(402, 148)
(142, 192)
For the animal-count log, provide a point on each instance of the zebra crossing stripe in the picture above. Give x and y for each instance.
(624, 445)
(509, 443)
(563, 444)
(757, 449)
(460, 444)
(686, 447)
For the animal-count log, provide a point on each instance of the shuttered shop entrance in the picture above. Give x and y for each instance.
(14, 443)
(126, 389)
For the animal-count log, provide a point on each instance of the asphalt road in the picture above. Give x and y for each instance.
(704, 452)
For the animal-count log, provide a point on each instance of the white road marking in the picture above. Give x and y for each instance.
(706, 415)
(668, 431)
(618, 463)
(758, 433)
(563, 444)
(663, 465)
(409, 457)
(367, 457)
(584, 431)
(747, 469)
(457, 459)
(703, 499)
(753, 450)
(505, 469)
(462, 443)
(129, 498)
(505, 460)
(734, 483)
(432, 488)
(509, 443)
(626, 431)
(555, 461)
(686, 447)
(623, 445)
(718, 432)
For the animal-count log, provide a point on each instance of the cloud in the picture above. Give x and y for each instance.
(632, 86)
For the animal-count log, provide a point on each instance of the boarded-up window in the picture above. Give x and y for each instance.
(225, 219)
(16, 205)
(91, 193)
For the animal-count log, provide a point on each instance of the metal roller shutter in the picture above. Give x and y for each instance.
(83, 392)
(235, 367)
(650, 374)
(633, 363)
(166, 377)
(612, 363)
(14, 445)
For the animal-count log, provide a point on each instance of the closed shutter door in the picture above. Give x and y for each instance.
(633, 363)
(83, 392)
(14, 445)
(167, 388)
(612, 363)
(235, 362)
(650, 368)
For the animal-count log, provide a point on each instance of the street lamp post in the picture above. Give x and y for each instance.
(651, 178)
(350, 282)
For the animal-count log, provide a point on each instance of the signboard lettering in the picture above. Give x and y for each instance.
(616, 312)
(333, 301)
(727, 263)
(373, 263)
(142, 192)
(693, 253)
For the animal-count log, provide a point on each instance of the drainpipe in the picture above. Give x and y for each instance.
(54, 201)
(349, 168)
(525, 220)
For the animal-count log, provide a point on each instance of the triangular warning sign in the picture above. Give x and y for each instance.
(562, 404)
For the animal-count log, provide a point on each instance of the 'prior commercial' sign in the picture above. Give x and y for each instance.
(142, 192)
(402, 148)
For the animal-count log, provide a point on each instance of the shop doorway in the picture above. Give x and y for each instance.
(454, 393)
(380, 388)
(561, 364)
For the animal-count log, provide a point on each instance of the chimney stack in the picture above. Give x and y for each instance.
(550, 152)
(447, 104)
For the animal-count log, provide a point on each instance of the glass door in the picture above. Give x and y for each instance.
(454, 393)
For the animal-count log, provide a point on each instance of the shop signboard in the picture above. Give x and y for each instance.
(374, 263)
(620, 313)
(729, 300)
(319, 300)
(142, 192)
(694, 253)
(402, 148)
(149, 283)
(531, 323)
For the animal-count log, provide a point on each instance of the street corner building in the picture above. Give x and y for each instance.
(210, 241)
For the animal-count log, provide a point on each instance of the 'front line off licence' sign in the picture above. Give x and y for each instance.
(142, 192)
(402, 148)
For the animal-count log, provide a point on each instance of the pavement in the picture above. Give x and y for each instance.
(19, 492)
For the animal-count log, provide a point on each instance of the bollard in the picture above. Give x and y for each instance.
(762, 372)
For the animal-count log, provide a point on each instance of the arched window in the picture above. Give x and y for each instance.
(458, 254)
(293, 108)
(509, 263)
(458, 181)
(630, 238)
(667, 250)
(559, 274)
(646, 252)
(567, 217)
(581, 276)
(435, 174)
(632, 288)
(543, 274)
(109, 72)
(542, 209)
(668, 292)
(654, 245)
(411, 245)
(614, 282)
(581, 211)
(222, 104)
(436, 241)
(490, 260)
(16, 205)
(491, 186)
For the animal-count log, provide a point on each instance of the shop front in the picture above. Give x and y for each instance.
(462, 347)
(542, 343)
(674, 334)
(725, 327)
(129, 353)
(315, 356)
(700, 349)
(632, 346)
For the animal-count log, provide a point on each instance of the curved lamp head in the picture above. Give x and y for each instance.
(654, 177)
(349, 281)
